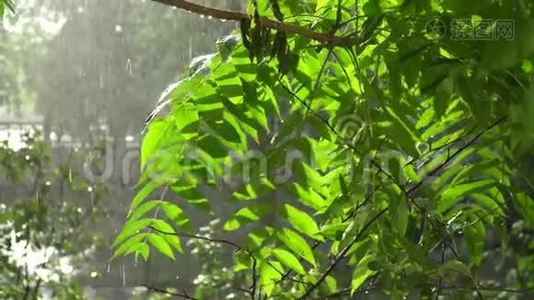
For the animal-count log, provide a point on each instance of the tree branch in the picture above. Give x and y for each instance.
(254, 278)
(453, 156)
(342, 254)
(222, 14)
(166, 292)
(198, 237)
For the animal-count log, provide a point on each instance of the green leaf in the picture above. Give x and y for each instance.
(475, 237)
(159, 134)
(301, 221)
(331, 284)
(10, 5)
(297, 244)
(456, 266)
(360, 274)
(143, 194)
(244, 216)
(453, 194)
(309, 197)
(526, 207)
(168, 233)
(334, 231)
(175, 214)
(161, 245)
(130, 245)
(270, 273)
(140, 249)
(289, 260)
(142, 209)
(130, 229)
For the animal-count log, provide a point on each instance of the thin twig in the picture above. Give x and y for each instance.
(454, 155)
(182, 295)
(343, 253)
(254, 278)
(198, 237)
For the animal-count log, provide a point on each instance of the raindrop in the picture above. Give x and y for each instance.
(190, 49)
(27, 157)
(202, 16)
(101, 83)
(90, 190)
(123, 275)
(118, 28)
(129, 66)
(108, 268)
(48, 183)
(70, 175)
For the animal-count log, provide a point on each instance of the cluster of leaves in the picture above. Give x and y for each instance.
(410, 174)
(40, 222)
(6, 4)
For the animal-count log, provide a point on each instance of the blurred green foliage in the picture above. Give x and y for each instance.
(45, 217)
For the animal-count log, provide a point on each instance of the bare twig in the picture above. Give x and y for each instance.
(182, 295)
(221, 14)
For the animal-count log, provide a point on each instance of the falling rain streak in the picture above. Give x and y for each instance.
(83, 76)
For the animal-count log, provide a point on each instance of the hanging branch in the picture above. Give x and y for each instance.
(222, 14)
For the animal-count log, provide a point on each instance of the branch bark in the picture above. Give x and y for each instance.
(221, 14)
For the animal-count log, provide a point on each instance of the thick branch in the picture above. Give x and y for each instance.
(221, 14)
